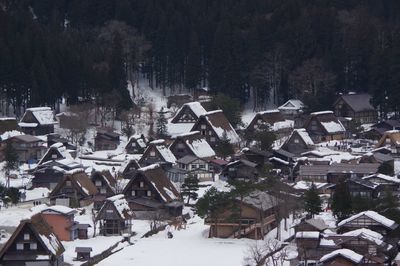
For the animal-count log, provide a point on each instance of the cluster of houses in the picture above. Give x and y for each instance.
(366, 238)
(141, 183)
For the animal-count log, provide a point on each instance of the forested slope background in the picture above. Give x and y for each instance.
(89, 49)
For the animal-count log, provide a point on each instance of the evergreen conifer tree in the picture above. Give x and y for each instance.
(341, 201)
(161, 124)
(224, 148)
(11, 160)
(312, 201)
(190, 187)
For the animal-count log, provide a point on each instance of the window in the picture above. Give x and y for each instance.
(203, 127)
(296, 140)
(181, 146)
(20, 246)
(54, 156)
(141, 184)
(103, 191)
(202, 166)
(203, 132)
(98, 183)
(26, 236)
(152, 153)
(33, 246)
(133, 193)
(68, 183)
(148, 193)
(210, 132)
(109, 211)
(212, 139)
(193, 166)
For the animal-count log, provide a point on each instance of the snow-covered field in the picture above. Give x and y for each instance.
(187, 247)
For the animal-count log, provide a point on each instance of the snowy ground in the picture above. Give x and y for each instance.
(187, 247)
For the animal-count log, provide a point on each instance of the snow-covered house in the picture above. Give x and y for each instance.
(291, 108)
(32, 243)
(241, 170)
(196, 167)
(390, 139)
(157, 152)
(115, 216)
(324, 126)
(56, 152)
(386, 182)
(298, 142)
(38, 121)
(316, 246)
(370, 220)
(193, 144)
(136, 144)
(185, 118)
(258, 208)
(357, 107)
(214, 126)
(74, 190)
(271, 120)
(150, 192)
(189, 113)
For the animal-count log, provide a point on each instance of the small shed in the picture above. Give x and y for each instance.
(83, 253)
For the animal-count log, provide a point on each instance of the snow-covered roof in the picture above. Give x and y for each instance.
(292, 104)
(321, 113)
(55, 208)
(196, 107)
(44, 115)
(308, 234)
(347, 253)
(166, 153)
(388, 178)
(175, 129)
(304, 135)
(200, 148)
(122, 206)
(10, 134)
(333, 126)
(372, 215)
(60, 149)
(366, 234)
(220, 124)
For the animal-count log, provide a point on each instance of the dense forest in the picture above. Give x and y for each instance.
(89, 49)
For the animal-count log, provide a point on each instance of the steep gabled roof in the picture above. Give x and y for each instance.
(58, 148)
(43, 115)
(79, 180)
(121, 206)
(139, 139)
(220, 125)
(195, 107)
(157, 178)
(106, 177)
(393, 135)
(357, 102)
(292, 104)
(197, 144)
(42, 232)
(384, 178)
(328, 121)
(261, 200)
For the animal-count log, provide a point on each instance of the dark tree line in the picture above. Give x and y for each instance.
(271, 49)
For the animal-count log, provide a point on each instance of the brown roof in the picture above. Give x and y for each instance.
(43, 234)
(106, 176)
(270, 117)
(217, 120)
(79, 180)
(325, 117)
(393, 135)
(357, 102)
(157, 178)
